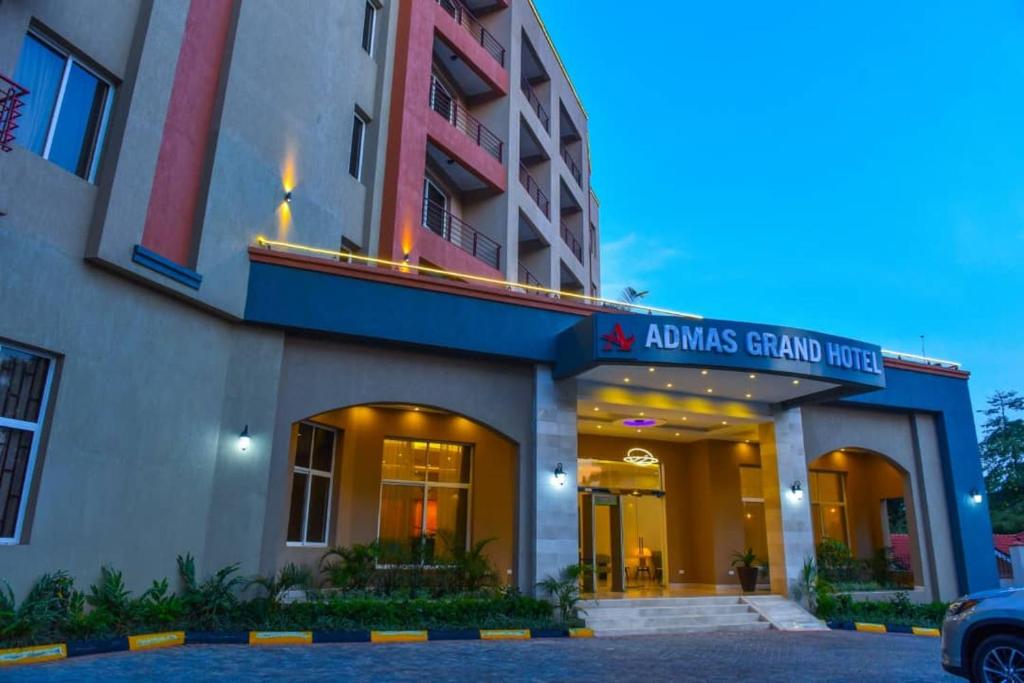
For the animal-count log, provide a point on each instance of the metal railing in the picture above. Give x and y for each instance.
(11, 102)
(453, 229)
(533, 189)
(574, 244)
(447, 106)
(531, 97)
(527, 278)
(573, 166)
(462, 16)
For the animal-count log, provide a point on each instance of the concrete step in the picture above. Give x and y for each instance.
(624, 603)
(669, 620)
(682, 628)
(687, 610)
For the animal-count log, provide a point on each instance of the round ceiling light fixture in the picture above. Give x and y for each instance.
(641, 422)
(640, 456)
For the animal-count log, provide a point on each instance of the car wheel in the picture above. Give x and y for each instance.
(999, 659)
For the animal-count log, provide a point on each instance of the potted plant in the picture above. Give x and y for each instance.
(743, 563)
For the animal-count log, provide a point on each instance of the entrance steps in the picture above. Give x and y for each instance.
(645, 616)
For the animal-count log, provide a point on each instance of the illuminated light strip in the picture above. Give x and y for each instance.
(924, 359)
(263, 241)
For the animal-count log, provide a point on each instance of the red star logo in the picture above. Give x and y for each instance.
(618, 339)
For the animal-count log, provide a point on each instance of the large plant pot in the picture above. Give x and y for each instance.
(748, 578)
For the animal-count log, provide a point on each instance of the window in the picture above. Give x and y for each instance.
(755, 531)
(355, 160)
(435, 208)
(369, 26)
(424, 500)
(65, 114)
(828, 506)
(312, 479)
(24, 388)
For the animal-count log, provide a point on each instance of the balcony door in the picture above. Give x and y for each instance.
(441, 99)
(436, 208)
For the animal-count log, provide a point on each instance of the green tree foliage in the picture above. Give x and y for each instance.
(1002, 457)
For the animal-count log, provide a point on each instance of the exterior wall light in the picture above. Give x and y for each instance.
(288, 196)
(560, 475)
(244, 440)
(797, 491)
(975, 496)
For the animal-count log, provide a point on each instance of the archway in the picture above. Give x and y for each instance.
(862, 515)
(421, 481)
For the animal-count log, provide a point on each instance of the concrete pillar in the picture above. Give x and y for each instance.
(555, 523)
(1017, 563)
(788, 521)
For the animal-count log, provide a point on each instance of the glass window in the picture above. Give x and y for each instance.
(828, 506)
(424, 499)
(312, 480)
(750, 484)
(369, 25)
(355, 160)
(66, 111)
(24, 386)
(617, 475)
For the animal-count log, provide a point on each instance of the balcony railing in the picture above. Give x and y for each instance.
(461, 14)
(527, 278)
(444, 104)
(573, 166)
(452, 229)
(535, 104)
(11, 102)
(574, 244)
(533, 189)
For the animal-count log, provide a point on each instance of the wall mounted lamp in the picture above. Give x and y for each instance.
(975, 496)
(244, 440)
(560, 475)
(797, 491)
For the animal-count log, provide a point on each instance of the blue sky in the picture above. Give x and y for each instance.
(854, 168)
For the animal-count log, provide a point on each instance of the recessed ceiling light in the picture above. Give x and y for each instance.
(650, 369)
(796, 381)
(669, 385)
(599, 426)
(596, 408)
(677, 433)
(753, 376)
(684, 417)
(641, 413)
(724, 422)
(638, 431)
(746, 440)
(703, 372)
(710, 390)
(747, 395)
(417, 409)
(626, 380)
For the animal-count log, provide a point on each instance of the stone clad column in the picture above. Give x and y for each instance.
(555, 523)
(788, 522)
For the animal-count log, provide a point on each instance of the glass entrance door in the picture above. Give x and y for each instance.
(601, 548)
(643, 530)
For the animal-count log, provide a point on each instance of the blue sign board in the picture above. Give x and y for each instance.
(668, 340)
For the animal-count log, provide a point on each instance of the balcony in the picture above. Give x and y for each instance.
(11, 102)
(574, 168)
(442, 102)
(531, 97)
(570, 240)
(464, 18)
(527, 278)
(452, 229)
(533, 189)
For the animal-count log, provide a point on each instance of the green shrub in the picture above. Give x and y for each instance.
(897, 610)
(564, 591)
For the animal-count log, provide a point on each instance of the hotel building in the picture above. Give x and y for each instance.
(362, 235)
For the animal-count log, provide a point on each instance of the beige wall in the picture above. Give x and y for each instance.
(356, 495)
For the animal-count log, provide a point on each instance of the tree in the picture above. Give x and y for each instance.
(1002, 459)
(632, 296)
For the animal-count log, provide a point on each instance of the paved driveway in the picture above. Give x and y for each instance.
(754, 656)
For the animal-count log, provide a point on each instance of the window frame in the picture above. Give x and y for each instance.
(426, 485)
(310, 472)
(360, 122)
(369, 38)
(822, 504)
(71, 58)
(37, 430)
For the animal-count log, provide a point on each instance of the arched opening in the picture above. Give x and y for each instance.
(863, 521)
(419, 482)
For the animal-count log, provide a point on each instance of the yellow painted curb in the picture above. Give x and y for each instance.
(152, 641)
(33, 654)
(870, 628)
(280, 637)
(581, 633)
(504, 634)
(921, 631)
(398, 636)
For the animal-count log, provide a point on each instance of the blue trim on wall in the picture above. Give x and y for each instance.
(949, 400)
(154, 261)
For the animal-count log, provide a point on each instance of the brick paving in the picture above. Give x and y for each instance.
(723, 656)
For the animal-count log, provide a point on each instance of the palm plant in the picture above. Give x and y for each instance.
(564, 589)
(354, 568)
(630, 295)
(213, 599)
(276, 585)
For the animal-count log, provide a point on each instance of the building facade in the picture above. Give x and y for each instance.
(362, 235)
